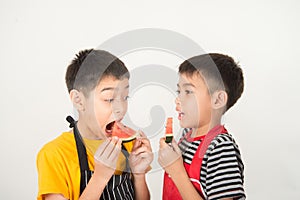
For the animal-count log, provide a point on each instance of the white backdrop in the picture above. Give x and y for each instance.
(38, 39)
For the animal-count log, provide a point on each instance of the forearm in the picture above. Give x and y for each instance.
(140, 187)
(185, 187)
(94, 188)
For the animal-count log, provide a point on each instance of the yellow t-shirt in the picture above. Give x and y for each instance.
(58, 165)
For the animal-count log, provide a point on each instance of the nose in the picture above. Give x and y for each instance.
(178, 100)
(119, 108)
(178, 103)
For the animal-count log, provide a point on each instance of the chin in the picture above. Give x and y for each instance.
(183, 125)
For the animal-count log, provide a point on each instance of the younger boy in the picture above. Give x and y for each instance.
(206, 164)
(86, 162)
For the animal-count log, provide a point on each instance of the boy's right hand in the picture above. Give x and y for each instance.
(106, 157)
(169, 157)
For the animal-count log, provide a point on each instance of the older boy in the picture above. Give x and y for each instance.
(86, 162)
(207, 162)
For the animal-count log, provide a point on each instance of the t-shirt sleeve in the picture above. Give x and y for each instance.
(224, 171)
(51, 173)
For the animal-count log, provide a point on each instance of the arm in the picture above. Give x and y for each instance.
(140, 159)
(93, 190)
(105, 164)
(224, 169)
(54, 197)
(140, 186)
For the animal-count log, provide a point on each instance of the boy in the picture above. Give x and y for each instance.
(86, 162)
(206, 164)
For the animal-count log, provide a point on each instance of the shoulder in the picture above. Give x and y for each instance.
(223, 147)
(222, 172)
(222, 141)
(60, 145)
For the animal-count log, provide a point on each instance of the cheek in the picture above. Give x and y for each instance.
(204, 105)
(103, 112)
(192, 105)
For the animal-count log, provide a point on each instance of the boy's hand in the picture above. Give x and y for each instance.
(169, 157)
(106, 157)
(141, 155)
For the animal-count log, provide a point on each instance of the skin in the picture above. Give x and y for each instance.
(107, 103)
(192, 93)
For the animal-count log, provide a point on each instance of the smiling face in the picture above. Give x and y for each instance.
(193, 102)
(105, 104)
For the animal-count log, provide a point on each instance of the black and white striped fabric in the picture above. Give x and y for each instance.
(222, 167)
(119, 187)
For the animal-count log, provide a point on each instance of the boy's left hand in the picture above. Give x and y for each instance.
(141, 155)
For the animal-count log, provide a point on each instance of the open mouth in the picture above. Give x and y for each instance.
(180, 115)
(109, 128)
(116, 128)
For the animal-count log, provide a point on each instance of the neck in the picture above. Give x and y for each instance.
(204, 129)
(86, 131)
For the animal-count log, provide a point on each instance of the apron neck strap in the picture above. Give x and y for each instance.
(81, 152)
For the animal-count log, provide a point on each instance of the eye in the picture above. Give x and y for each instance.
(188, 91)
(126, 98)
(178, 91)
(109, 100)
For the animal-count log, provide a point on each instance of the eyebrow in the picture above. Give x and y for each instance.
(108, 88)
(186, 84)
(112, 88)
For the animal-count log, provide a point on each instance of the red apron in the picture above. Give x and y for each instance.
(170, 191)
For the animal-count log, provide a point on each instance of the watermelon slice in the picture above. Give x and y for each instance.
(123, 132)
(169, 130)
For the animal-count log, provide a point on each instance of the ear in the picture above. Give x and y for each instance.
(77, 99)
(219, 99)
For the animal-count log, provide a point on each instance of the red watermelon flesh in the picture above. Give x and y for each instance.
(125, 133)
(169, 130)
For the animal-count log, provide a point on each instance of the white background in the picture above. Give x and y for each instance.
(38, 39)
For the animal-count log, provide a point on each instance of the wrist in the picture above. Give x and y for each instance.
(179, 172)
(179, 176)
(139, 177)
(99, 176)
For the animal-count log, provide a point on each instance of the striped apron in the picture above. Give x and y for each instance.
(118, 187)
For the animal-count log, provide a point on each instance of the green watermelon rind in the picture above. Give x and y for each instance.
(129, 139)
(169, 138)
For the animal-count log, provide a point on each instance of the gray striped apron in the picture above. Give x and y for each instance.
(118, 187)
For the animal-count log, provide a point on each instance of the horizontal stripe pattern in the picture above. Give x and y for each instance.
(222, 167)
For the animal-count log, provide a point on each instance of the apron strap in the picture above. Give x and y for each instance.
(194, 171)
(126, 154)
(85, 173)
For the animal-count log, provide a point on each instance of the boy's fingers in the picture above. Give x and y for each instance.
(141, 134)
(144, 155)
(145, 142)
(116, 151)
(119, 144)
(110, 147)
(102, 148)
(136, 144)
(140, 150)
(162, 142)
(175, 146)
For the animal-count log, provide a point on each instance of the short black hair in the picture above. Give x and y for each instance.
(220, 72)
(90, 66)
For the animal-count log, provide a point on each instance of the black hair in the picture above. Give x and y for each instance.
(220, 72)
(90, 66)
